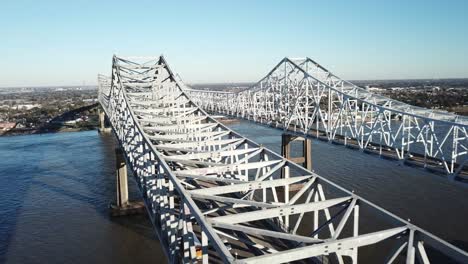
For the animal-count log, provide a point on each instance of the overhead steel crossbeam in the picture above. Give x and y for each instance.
(216, 196)
(302, 96)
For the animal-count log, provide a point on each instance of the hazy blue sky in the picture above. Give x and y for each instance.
(69, 42)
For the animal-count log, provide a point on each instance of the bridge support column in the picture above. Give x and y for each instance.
(102, 123)
(122, 205)
(121, 178)
(306, 158)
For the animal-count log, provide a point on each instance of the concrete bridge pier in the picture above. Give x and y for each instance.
(122, 204)
(306, 158)
(102, 123)
(121, 178)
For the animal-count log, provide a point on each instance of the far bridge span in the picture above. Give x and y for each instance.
(303, 97)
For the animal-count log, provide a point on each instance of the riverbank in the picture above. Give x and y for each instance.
(35, 131)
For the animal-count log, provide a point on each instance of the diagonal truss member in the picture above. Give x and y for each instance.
(216, 196)
(302, 96)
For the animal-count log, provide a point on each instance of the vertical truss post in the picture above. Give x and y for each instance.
(354, 255)
(410, 253)
(285, 148)
(204, 244)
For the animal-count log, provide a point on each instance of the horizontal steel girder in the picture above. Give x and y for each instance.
(200, 180)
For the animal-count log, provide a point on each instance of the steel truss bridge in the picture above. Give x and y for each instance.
(302, 96)
(215, 196)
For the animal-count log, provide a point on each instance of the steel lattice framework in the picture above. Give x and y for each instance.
(216, 196)
(302, 96)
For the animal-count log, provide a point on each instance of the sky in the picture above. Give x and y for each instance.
(57, 43)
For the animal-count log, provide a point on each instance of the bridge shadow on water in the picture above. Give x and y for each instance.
(57, 123)
(137, 223)
(55, 203)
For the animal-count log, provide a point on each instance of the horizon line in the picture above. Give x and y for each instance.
(230, 82)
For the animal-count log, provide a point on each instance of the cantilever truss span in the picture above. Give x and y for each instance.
(216, 196)
(302, 96)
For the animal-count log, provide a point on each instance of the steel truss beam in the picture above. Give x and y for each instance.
(302, 96)
(202, 181)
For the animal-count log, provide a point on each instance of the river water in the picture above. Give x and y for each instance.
(55, 190)
(54, 195)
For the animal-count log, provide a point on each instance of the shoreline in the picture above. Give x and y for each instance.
(11, 133)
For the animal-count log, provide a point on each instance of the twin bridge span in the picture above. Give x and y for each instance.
(215, 196)
(302, 96)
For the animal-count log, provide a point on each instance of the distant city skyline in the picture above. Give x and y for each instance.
(53, 43)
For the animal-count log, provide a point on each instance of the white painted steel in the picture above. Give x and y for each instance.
(197, 188)
(302, 96)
